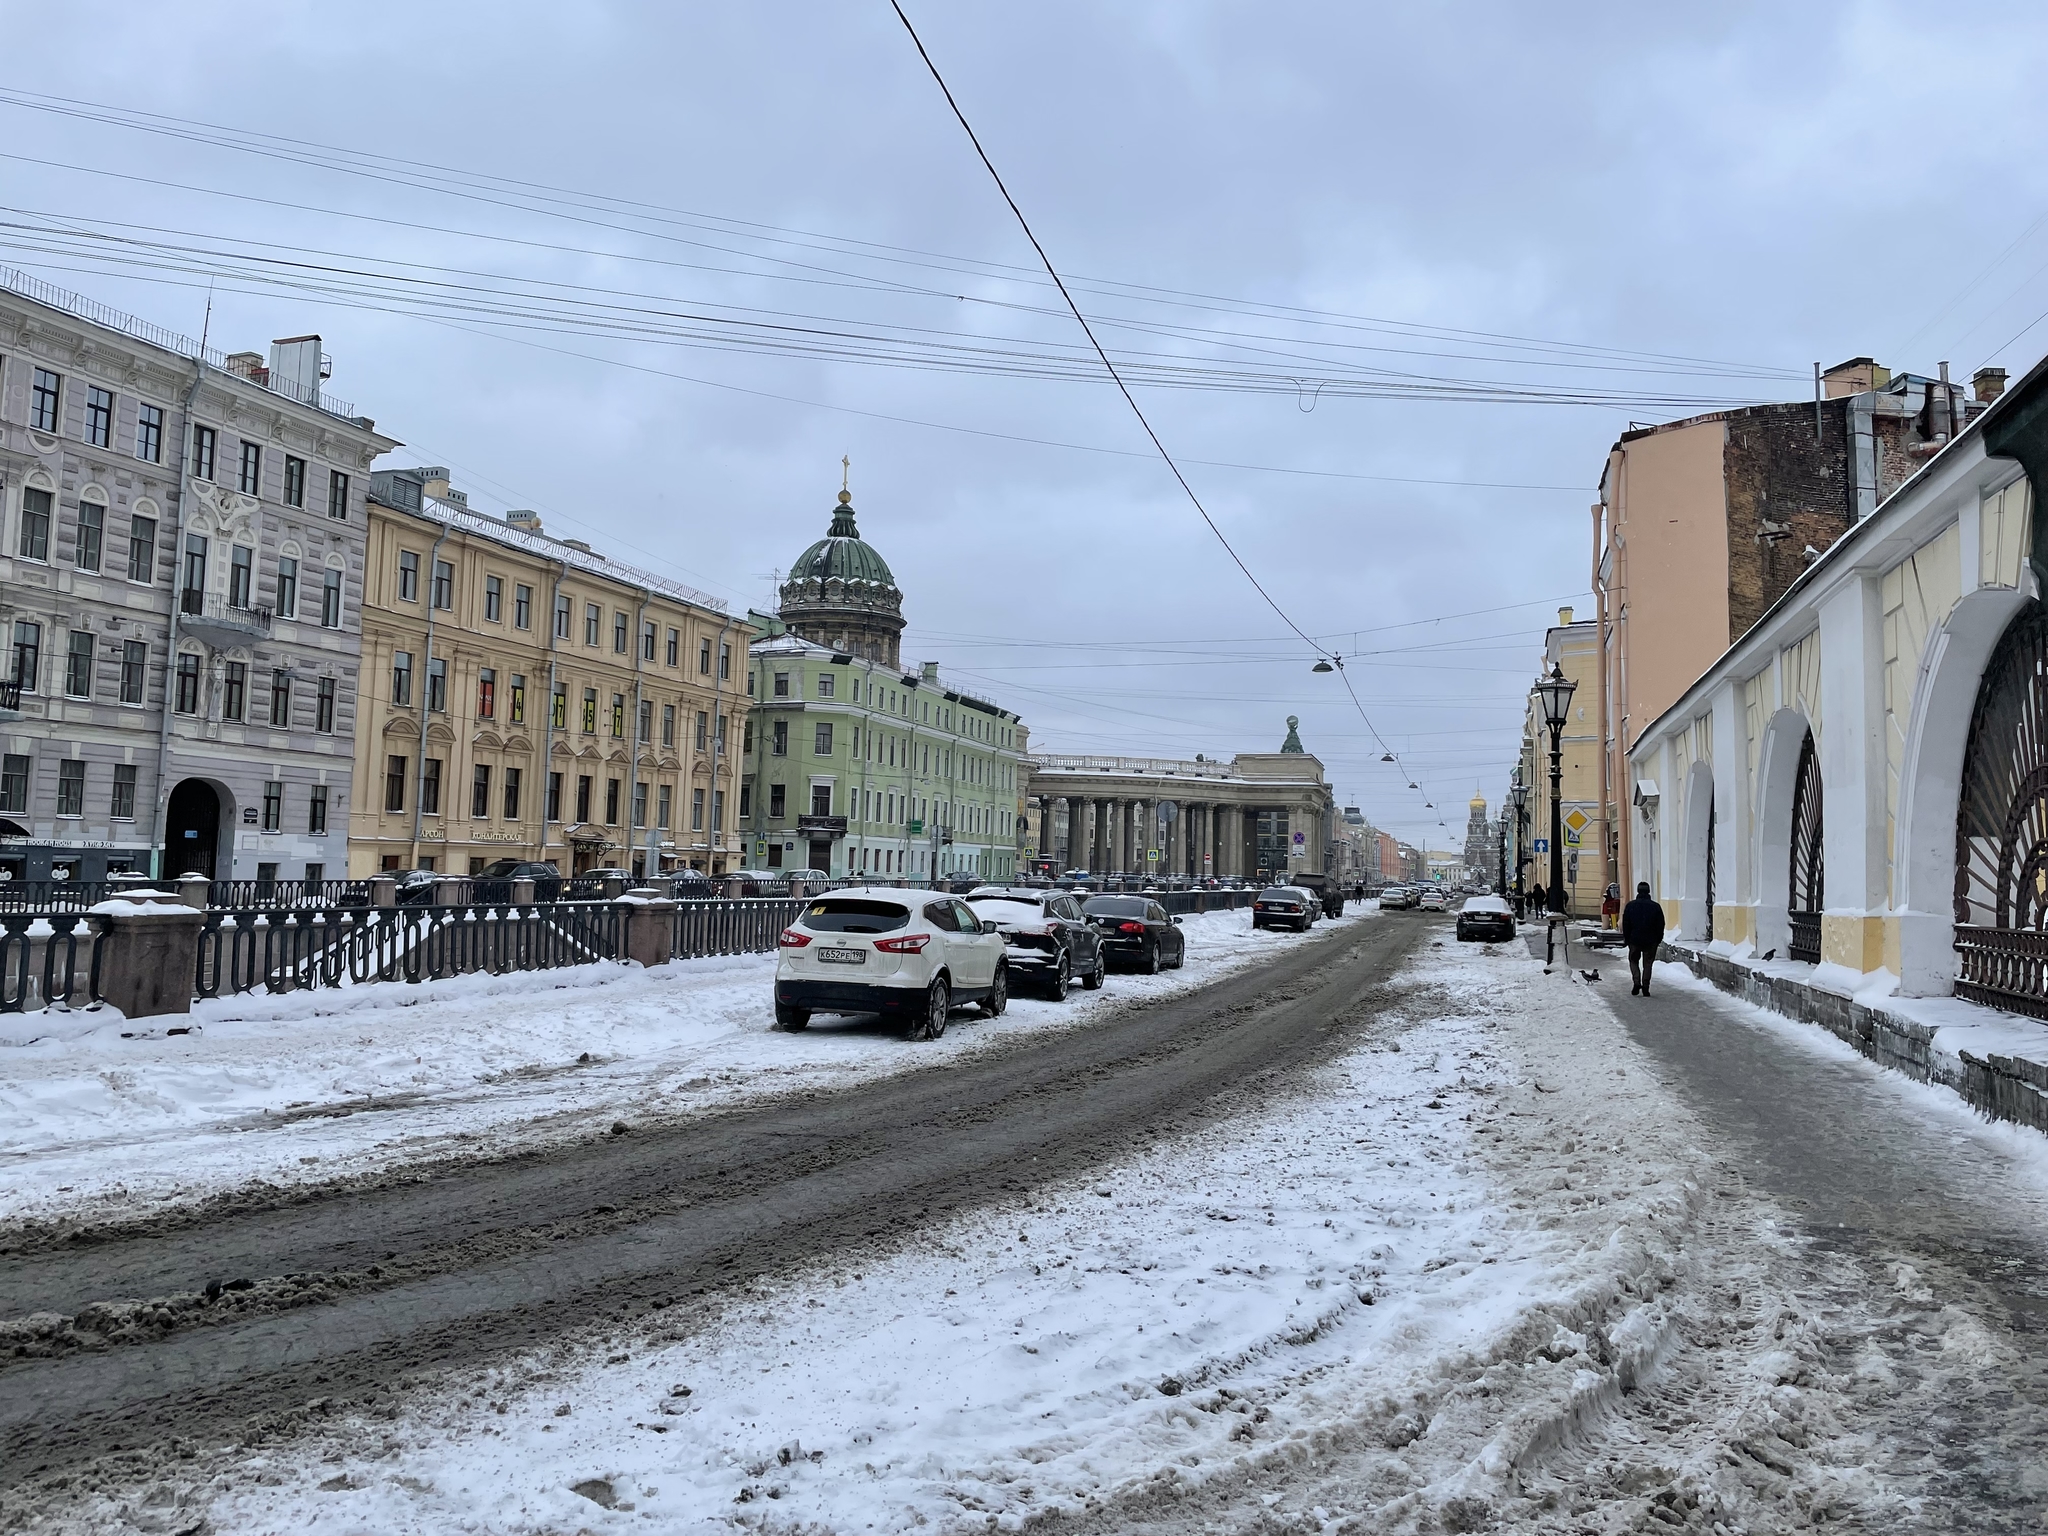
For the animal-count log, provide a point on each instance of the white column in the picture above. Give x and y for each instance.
(1852, 772)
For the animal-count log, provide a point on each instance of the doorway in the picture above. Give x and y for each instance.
(192, 829)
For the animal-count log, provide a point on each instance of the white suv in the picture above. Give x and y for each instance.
(881, 950)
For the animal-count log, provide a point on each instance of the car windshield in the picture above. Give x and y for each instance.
(997, 910)
(1114, 906)
(1279, 893)
(1486, 904)
(851, 916)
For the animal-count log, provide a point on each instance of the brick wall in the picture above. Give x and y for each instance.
(1776, 473)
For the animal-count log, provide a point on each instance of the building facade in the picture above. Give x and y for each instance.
(1573, 645)
(1482, 844)
(528, 697)
(861, 766)
(181, 558)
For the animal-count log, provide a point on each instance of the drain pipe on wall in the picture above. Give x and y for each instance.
(547, 751)
(426, 699)
(163, 735)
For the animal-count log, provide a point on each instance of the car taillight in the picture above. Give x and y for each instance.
(1130, 927)
(909, 944)
(791, 939)
(1258, 906)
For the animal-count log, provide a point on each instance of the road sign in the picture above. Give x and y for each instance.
(1151, 855)
(1541, 845)
(1575, 823)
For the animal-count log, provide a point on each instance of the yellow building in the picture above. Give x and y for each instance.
(1575, 647)
(526, 697)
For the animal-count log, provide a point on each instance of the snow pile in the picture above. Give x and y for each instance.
(103, 1116)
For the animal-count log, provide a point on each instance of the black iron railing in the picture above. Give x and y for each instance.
(747, 926)
(286, 893)
(54, 895)
(48, 960)
(1805, 943)
(2004, 968)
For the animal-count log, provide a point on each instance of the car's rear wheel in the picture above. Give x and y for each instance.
(791, 1018)
(938, 1002)
(1094, 979)
(998, 994)
(1061, 981)
(1150, 964)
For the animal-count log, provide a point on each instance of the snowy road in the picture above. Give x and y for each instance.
(1356, 1244)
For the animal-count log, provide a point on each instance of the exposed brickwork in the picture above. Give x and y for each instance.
(1785, 490)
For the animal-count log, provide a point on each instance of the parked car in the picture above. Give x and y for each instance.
(1137, 929)
(1286, 906)
(1051, 943)
(1434, 899)
(494, 881)
(415, 886)
(1398, 898)
(1487, 918)
(903, 954)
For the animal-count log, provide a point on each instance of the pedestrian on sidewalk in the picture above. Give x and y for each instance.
(1610, 907)
(1642, 929)
(1536, 901)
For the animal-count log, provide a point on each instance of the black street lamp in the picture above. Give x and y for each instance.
(1555, 694)
(1518, 797)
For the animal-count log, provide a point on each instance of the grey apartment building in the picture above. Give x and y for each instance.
(181, 561)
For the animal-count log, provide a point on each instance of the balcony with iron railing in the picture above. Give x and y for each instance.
(219, 621)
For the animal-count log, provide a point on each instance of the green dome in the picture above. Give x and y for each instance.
(842, 555)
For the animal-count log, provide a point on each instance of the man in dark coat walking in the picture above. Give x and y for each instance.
(1642, 929)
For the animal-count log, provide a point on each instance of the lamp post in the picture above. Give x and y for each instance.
(1555, 694)
(1518, 797)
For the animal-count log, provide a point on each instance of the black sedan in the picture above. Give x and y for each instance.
(493, 883)
(1046, 939)
(1136, 929)
(1488, 919)
(1286, 906)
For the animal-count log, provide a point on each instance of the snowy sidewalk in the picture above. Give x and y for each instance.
(97, 1123)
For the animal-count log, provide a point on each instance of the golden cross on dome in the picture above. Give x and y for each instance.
(845, 472)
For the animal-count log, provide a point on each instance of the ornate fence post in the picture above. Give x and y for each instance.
(148, 959)
(650, 921)
(383, 891)
(192, 890)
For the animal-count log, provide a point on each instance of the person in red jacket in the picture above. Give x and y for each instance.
(1642, 929)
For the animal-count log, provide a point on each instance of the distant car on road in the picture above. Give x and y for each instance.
(1051, 943)
(1137, 929)
(1286, 906)
(1486, 918)
(1434, 899)
(493, 883)
(877, 949)
(1398, 898)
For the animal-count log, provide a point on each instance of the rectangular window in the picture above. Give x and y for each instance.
(647, 641)
(203, 441)
(149, 433)
(71, 787)
(821, 799)
(437, 685)
(611, 802)
(718, 810)
(618, 717)
(639, 804)
(718, 735)
(408, 576)
(337, 495)
(646, 720)
(486, 693)
(554, 805)
(281, 698)
(748, 739)
(430, 786)
(44, 400)
(294, 481)
(560, 713)
(668, 725)
(778, 801)
(401, 677)
(323, 706)
(704, 657)
(675, 639)
(518, 715)
(778, 739)
(618, 632)
(192, 599)
(330, 600)
(121, 807)
(92, 522)
(134, 670)
(590, 711)
(511, 794)
(142, 549)
(394, 783)
(781, 685)
(188, 686)
(826, 683)
(35, 524)
(703, 730)
(444, 585)
(241, 572)
(593, 621)
(696, 810)
(822, 747)
(662, 806)
(724, 661)
(522, 607)
(249, 481)
(234, 683)
(273, 807)
(561, 618)
(14, 783)
(746, 799)
(583, 797)
(316, 816)
(287, 587)
(494, 599)
(480, 792)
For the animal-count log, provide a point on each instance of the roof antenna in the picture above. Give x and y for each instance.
(206, 325)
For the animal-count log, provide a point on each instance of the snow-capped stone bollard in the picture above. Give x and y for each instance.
(650, 922)
(192, 889)
(614, 887)
(149, 954)
(383, 891)
(522, 893)
(451, 891)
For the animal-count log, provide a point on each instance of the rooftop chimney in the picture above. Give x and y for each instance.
(1564, 617)
(524, 518)
(931, 672)
(1855, 377)
(1987, 384)
(297, 365)
(246, 365)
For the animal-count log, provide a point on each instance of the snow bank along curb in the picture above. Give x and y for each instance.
(1994, 1060)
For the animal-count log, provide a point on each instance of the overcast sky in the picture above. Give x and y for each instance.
(1290, 218)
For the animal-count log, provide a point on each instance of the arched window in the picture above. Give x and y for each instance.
(2001, 898)
(1808, 883)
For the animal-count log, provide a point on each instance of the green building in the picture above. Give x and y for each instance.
(853, 762)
